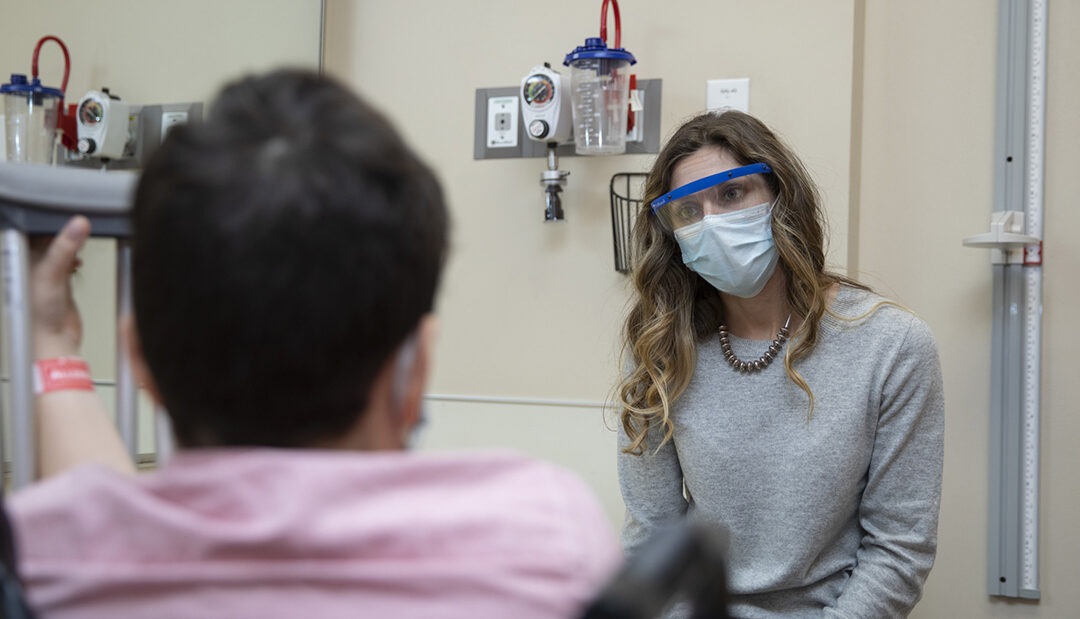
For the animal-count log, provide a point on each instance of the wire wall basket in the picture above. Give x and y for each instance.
(626, 192)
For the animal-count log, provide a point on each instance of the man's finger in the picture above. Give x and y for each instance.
(61, 256)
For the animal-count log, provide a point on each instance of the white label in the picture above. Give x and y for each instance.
(732, 94)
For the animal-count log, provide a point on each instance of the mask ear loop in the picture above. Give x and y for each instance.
(406, 358)
(403, 365)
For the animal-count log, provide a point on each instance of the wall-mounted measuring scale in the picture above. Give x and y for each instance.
(1015, 240)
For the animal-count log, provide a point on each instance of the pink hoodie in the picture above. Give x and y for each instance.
(315, 534)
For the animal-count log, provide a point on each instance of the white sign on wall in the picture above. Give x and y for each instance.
(731, 94)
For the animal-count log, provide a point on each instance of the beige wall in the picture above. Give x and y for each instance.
(927, 173)
(148, 53)
(158, 52)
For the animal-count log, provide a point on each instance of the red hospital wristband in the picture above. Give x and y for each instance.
(62, 374)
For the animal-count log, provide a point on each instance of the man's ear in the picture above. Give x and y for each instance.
(130, 337)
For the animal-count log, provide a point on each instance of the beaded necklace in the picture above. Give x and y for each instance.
(761, 363)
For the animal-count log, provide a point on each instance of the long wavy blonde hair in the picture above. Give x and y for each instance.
(674, 307)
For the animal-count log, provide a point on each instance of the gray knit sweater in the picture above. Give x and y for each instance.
(832, 517)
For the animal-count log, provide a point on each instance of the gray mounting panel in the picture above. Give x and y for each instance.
(527, 148)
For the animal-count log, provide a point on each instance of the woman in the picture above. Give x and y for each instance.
(824, 466)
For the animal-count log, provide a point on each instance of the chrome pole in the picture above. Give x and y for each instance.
(126, 390)
(16, 252)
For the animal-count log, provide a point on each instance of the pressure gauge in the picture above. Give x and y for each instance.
(537, 89)
(91, 112)
(106, 126)
(545, 105)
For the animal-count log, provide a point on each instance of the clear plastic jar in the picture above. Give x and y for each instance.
(600, 89)
(30, 115)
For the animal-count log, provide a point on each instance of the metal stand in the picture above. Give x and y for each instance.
(126, 390)
(38, 199)
(17, 295)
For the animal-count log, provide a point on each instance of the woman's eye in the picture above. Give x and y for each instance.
(689, 212)
(732, 193)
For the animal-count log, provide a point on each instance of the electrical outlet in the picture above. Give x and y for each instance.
(502, 122)
(733, 94)
(168, 119)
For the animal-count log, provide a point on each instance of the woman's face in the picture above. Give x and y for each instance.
(734, 195)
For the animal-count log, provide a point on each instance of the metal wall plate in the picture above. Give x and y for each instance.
(527, 148)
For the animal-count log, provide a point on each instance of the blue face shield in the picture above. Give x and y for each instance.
(715, 194)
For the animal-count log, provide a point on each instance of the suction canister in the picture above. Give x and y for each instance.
(30, 114)
(31, 111)
(600, 88)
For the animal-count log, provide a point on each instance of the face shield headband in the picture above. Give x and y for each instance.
(670, 208)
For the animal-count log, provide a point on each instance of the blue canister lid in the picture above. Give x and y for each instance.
(19, 85)
(596, 48)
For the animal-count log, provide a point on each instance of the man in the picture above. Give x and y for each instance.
(286, 258)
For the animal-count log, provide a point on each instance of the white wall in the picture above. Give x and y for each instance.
(148, 53)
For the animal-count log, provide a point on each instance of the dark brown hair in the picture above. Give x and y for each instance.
(283, 250)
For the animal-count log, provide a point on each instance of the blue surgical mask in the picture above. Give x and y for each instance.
(733, 251)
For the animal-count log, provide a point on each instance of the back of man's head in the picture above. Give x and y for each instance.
(283, 250)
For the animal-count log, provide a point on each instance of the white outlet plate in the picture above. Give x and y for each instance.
(502, 122)
(168, 119)
(730, 94)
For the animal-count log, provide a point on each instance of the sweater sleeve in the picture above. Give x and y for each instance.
(652, 487)
(898, 511)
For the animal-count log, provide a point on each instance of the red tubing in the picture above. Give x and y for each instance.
(67, 59)
(618, 23)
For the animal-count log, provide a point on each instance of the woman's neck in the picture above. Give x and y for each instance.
(760, 317)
